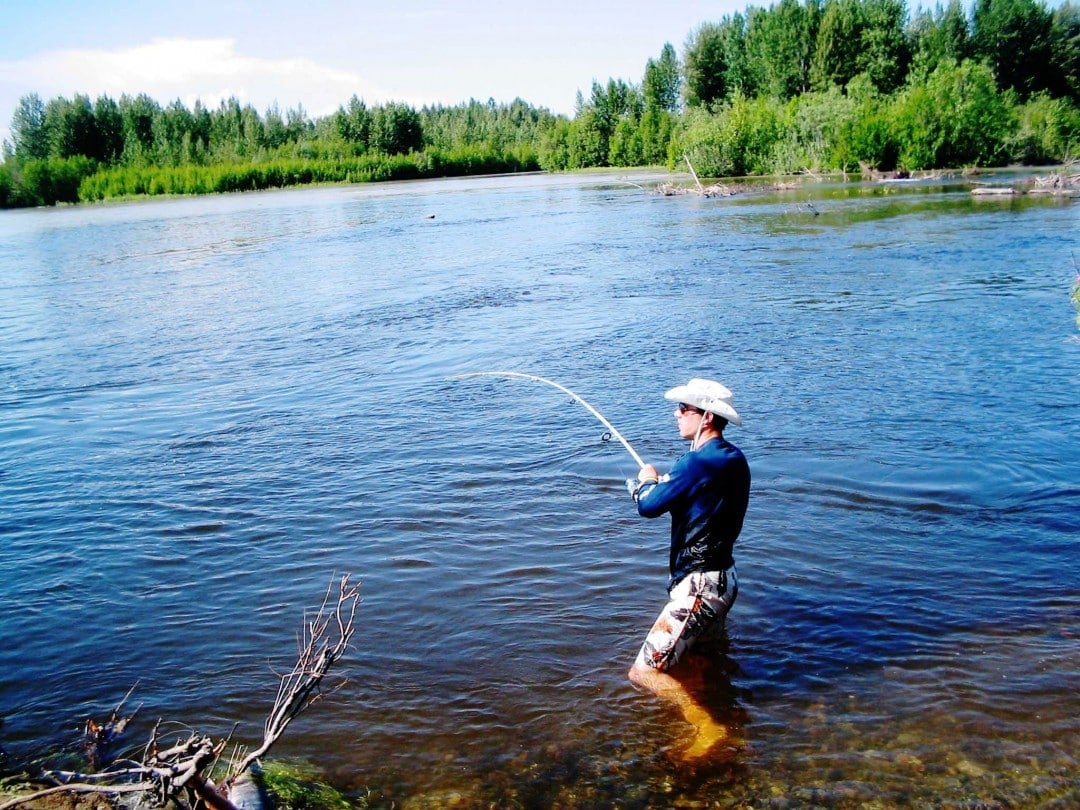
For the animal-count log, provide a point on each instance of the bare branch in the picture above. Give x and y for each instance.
(76, 787)
(299, 688)
(180, 767)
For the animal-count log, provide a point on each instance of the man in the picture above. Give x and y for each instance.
(706, 493)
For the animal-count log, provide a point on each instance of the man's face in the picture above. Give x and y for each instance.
(689, 420)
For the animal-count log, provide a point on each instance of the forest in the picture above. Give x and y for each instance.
(818, 86)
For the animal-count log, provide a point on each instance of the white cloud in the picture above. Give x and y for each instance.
(187, 69)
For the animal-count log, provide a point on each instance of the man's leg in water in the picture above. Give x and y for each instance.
(696, 606)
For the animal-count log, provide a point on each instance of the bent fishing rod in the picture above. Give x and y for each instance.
(578, 399)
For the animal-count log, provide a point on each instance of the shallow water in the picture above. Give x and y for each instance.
(213, 407)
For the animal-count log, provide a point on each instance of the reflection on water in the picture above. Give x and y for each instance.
(213, 406)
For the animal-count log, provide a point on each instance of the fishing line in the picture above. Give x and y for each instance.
(565, 390)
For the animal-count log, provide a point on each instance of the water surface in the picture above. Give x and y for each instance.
(212, 407)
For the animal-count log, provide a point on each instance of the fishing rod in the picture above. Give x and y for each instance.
(565, 390)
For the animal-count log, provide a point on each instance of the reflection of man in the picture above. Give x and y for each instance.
(706, 494)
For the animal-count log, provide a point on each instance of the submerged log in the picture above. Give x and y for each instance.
(994, 191)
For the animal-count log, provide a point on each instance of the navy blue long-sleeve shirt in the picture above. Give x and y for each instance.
(706, 493)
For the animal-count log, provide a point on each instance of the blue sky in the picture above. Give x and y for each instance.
(318, 53)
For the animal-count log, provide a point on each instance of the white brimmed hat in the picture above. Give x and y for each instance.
(707, 395)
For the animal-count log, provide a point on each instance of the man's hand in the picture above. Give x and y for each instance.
(648, 473)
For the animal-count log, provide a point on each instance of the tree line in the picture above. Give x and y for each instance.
(817, 85)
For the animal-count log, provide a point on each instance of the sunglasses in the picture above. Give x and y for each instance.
(683, 408)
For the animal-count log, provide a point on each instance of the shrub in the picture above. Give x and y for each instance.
(957, 118)
(740, 138)
(52, 181)
(1047, 132)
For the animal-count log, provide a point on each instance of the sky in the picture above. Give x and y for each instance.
(319, 53)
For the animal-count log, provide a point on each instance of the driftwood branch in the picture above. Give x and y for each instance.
(169, 771)
(700, 188)
(714, 190)
(317, 653)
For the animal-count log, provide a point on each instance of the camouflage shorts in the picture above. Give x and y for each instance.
(697, 607)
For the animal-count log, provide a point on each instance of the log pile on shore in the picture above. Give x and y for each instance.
(1064, 183)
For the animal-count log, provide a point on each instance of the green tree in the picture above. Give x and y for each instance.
(137, 117)
(594, 126)
(1065, 41)
(779, 47)
(274, 132)
(29, 136)
(655, 132)
(587, 139)
(1048, 131)
(1014, 38)
(297, 124)
(72, 128)
(396, 129)
(663, 81)
(48, 182)
(715, 61)
(555, 147)
(739, 138)
(867, 135)
(938, 37)
(110, 126)
(861, 36)
(836, 51)
(172, 128)
(8, 192)
(354, 123)
(626, 147)
(958, 118)
(202, 123)
(885, 55)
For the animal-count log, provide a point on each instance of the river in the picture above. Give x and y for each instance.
(214, 407)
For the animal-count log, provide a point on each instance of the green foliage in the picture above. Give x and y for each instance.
(515, 128)
(137, 124)
(815, 136)
(72, 129)
(52, 181)
(110, 127)
(1014, 38)
(626, 146)
(353, 123)
(294, 786)
(655, 131)
(7, 186)
(395, 130)
(715, 61)
(31, 139)
(663, 81)
(779, 47)
(937, 38)
(1065, 38)
(958, 118)
(836, 53)
(869, 136)
(943, 91)
(861, 37)
(616, 127)
(129, 181)
(1048, 131)
(588, 139)
(738, 139)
